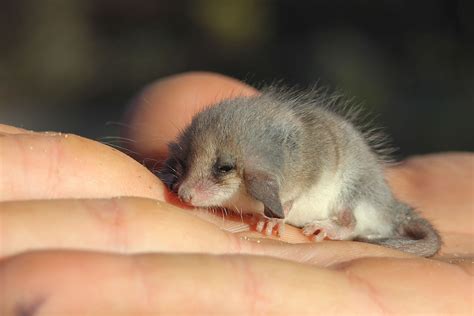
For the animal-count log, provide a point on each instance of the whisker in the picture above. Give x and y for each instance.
(139, 126)
(223, 214)
(214, 210)
(120, 124)
(122, 148)
(226, 211)
(178, 129)
(118, 138)
(175, 172)
(239, 210)
(156, 161)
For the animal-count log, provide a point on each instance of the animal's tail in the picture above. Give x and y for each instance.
(414, 235)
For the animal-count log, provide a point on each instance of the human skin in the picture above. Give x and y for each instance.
(72, 243)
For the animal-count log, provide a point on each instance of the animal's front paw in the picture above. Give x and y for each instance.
(267, 225)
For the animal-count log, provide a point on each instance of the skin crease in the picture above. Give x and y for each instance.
(100, 261)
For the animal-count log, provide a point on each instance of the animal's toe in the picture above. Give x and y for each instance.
(309, 230)
(320, 236)
(269, 228)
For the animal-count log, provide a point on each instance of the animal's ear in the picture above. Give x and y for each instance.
(264, 187)
(167, 173)
(171, 172)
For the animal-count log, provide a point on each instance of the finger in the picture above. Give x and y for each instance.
(126, 225)
(438, 185)
(165, 107)
(8, 129)
(406, 179)
(55, 165)
(453, 241)
(131, 225)
(95, 283)
(441, 186)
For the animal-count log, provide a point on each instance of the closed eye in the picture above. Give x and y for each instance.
(224, 168)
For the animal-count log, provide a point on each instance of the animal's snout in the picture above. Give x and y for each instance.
(185, 194)
(195, 193)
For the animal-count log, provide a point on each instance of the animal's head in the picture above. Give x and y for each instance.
(208, 166)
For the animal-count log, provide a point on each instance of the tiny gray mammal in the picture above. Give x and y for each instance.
(294, 157)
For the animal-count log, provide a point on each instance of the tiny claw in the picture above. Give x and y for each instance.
(254, 219)
(269, 228)
(320, 236)
(309, 230)
(281, 229)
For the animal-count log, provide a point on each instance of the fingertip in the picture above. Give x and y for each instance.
(439, 186)
(163, 108)
(57, 166)
(8, 130)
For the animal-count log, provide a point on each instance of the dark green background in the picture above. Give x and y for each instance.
(73, 65)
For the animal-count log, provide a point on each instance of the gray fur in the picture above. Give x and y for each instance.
(280, 144)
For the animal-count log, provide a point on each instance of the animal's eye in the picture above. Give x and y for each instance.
(225, 168)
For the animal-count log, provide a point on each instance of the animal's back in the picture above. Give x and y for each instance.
(304, 163)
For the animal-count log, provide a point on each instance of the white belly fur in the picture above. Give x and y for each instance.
(370, 223)
(317, 202)
(322, 199)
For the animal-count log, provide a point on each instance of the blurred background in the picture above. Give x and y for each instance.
(74, 65)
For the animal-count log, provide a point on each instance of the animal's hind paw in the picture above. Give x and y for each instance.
(318, 230)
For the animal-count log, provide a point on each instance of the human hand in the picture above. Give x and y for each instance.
(90, 221)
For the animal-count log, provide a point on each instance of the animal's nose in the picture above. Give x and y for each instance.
(185, 194)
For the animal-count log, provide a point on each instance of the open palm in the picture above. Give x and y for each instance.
(84, 229)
